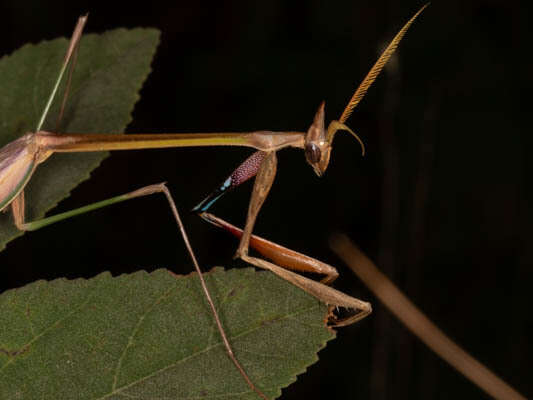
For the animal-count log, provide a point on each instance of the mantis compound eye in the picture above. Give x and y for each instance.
(312, 153)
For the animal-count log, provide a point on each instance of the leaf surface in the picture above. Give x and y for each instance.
(152, 336)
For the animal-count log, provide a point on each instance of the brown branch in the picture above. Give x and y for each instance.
(420, 325)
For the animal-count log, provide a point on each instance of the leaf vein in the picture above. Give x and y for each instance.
(134, 332)
(198, 353)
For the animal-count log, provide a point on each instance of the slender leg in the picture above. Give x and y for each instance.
(227, 345)
(263, 183)
(18, 213)
(326, 294)
(278, 254)
(17, 206)
(291, 259)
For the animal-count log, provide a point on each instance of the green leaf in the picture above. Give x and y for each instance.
(153, 336)
(109, 73)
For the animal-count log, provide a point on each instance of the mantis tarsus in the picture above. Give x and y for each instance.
(19, 159)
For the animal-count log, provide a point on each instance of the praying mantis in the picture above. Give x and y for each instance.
(19, 159)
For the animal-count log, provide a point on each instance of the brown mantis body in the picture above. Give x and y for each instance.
(19, 159)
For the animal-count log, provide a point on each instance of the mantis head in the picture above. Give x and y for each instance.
(318, 141)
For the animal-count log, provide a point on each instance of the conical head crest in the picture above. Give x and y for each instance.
(317, 148)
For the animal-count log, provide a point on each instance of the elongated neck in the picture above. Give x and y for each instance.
(260, 140)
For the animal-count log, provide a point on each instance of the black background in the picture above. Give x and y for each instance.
(440, 202)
